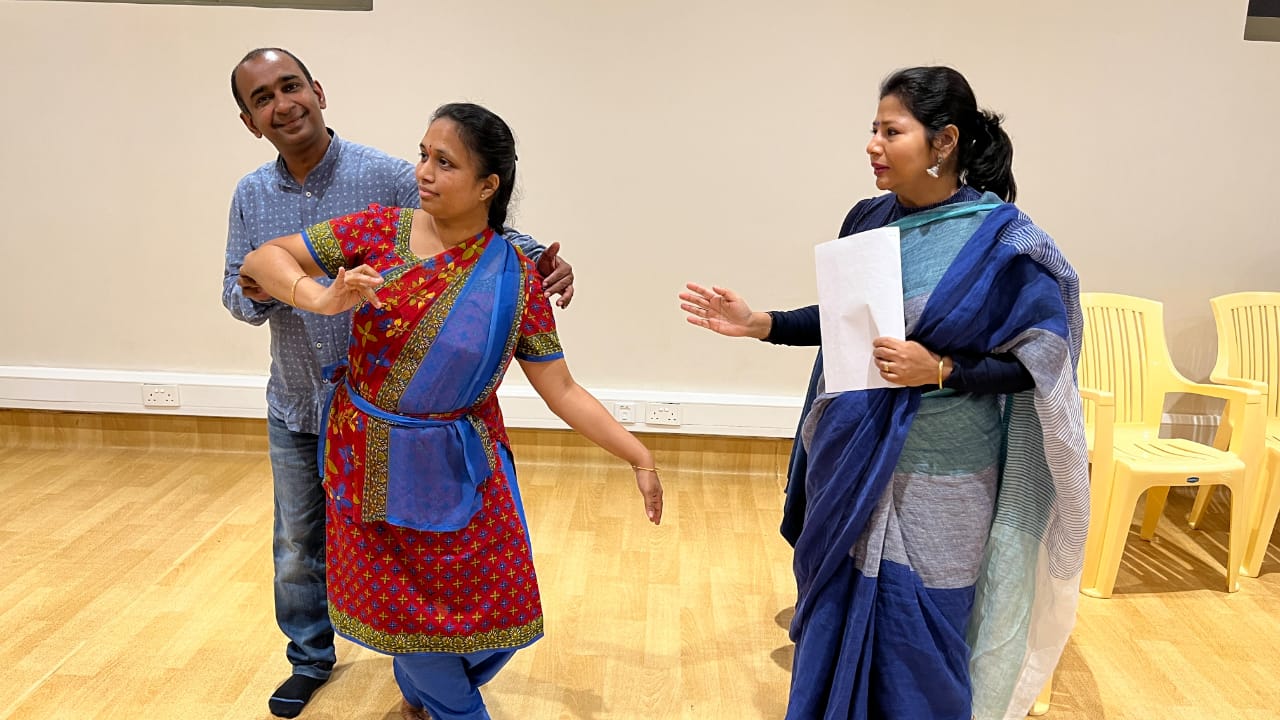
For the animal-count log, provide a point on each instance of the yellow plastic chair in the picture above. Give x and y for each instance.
(1125, 374)
(1041, 705)
(1268, 507)
(1249, 357)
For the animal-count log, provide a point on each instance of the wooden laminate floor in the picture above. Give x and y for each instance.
(136, 583)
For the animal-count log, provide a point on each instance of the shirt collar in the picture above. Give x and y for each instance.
(320, 176)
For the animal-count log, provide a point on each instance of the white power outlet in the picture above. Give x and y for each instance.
(663, 414)
(160, 396)
(625, 412)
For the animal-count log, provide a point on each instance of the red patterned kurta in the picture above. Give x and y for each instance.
(392, 588)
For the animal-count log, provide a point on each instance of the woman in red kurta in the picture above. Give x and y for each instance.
(428, 552)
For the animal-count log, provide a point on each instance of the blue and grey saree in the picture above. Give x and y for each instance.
(944, 535)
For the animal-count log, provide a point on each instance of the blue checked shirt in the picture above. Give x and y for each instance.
(269, 203)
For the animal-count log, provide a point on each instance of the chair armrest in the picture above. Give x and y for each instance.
(1244, 395)
(1104, 424)
(1244, 415)
(1256, 385)
(1098, 397)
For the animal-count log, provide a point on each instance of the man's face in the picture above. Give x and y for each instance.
(283, 107)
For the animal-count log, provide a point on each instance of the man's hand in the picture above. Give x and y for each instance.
(250, 289)
(557, 275)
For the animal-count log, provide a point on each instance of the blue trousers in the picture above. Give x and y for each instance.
(448, 685)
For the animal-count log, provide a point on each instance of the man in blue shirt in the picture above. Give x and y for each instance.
(317, 176)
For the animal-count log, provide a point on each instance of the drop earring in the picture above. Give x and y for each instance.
(933, 171)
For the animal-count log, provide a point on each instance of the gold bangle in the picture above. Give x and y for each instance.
(940, 361)
(653, 470)
(293, 291)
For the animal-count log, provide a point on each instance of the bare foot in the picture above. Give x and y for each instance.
(409, 712)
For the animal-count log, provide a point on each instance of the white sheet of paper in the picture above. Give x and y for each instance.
(859, 300)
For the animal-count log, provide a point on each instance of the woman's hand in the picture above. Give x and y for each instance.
(907, 362)
(651, 489)
(723, 311)
(348, 289)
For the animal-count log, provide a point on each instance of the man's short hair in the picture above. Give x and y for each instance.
(254, 54)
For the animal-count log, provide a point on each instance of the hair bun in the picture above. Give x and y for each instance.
(990, 121)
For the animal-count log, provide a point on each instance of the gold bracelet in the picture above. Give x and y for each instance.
(940, 361)
(293, 291)
(653, 470)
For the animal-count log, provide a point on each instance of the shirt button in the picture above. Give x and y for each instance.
(308, 193)
(319, 345)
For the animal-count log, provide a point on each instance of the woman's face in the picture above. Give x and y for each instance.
(899, 149)
(447, 173)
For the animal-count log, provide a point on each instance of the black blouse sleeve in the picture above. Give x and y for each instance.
(795, 327)
(988, 374)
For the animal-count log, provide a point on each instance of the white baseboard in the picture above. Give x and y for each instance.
(120, 391)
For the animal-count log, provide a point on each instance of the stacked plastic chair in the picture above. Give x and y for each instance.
(1125, 373)
(1249, 357)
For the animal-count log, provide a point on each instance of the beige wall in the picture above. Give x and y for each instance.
(660, 141)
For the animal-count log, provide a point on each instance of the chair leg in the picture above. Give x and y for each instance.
(1156, 498)
(1238, 540)
(1260, 536)
(1203, 496)
(1113, 539)
(1041, 705)
(1099, 503)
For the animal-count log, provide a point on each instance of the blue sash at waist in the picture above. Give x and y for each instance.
(434, 468)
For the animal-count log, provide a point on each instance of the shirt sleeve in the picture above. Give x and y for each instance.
(238, 246)
(538, 341)
(354, 239)
(530, 247)
(406, 187)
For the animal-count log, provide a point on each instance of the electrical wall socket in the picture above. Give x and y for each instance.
(160, 396)
(663, 414)
(627, 412)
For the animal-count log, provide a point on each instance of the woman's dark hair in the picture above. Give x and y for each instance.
(493, 146)
(940, 96)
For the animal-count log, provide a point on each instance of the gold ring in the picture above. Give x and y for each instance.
(885, 365)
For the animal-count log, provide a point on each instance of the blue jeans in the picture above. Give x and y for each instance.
(302, 608)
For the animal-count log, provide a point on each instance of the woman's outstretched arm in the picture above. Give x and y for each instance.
(579, 408)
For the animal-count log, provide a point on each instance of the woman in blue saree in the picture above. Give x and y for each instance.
(428, 556)
(938, 559)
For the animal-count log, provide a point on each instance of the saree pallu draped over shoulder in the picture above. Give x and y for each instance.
(427, 547)
(939, 563)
